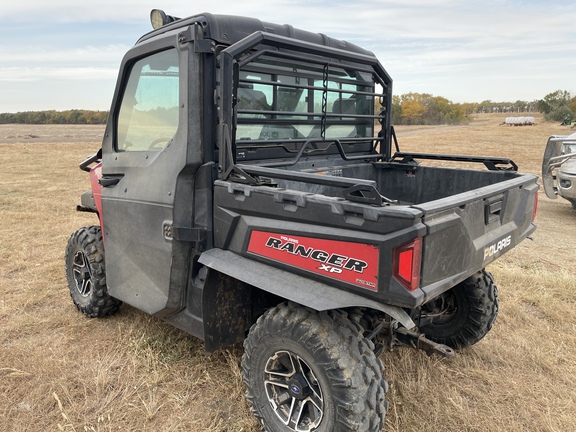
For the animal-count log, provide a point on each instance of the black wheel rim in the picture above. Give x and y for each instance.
(440, 311)
(82, 274)
(294, 392)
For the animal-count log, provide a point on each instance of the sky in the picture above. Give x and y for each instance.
(65, 54)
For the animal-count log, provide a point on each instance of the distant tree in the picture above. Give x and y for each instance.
(424, 108)
(412, 109)
(572, 105)
(521, 106)
(396, 109)
(456, 115)
(438, 108)
(469, 108)
(555, 105)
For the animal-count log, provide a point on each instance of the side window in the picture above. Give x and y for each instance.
(148, 115)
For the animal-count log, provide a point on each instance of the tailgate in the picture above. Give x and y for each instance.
(467, 231)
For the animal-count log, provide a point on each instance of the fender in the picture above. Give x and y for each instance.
(307, 292)
(91, 200)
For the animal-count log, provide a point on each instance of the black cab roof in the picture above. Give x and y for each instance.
(229, 29)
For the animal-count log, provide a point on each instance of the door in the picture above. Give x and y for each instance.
(143, 152)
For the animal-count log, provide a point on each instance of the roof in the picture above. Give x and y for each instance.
(229, 29)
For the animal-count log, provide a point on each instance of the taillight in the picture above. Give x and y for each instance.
(407, 259)
(535, 207)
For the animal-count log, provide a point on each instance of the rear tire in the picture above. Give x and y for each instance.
(312, 371)
(86, 273)
(463, 315)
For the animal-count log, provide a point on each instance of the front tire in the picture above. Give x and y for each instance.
(86, 273)
(463, 315)
(310, 371)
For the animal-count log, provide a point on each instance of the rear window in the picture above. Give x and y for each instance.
(285, 104)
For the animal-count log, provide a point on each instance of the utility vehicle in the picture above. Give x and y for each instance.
(248, 190)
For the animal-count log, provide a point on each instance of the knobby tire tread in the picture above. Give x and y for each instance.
(346, 356)
(481, 297)
(100, 303)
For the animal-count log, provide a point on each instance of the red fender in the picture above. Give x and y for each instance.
(95, 175)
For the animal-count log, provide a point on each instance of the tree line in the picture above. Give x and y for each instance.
(407, 109)
(55, 117)
(426, 109)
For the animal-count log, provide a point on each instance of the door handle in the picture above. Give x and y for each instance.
(109, 181)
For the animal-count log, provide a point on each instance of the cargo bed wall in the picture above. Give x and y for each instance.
(405, 184)
(426, 184)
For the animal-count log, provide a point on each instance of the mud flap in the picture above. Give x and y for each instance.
(290, 286)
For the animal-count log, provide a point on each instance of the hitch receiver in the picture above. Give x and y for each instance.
(420, 341)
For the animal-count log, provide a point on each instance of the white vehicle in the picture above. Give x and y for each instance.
(559, 168)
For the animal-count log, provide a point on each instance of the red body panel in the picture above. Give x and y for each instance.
(355, 263)
(95, 174)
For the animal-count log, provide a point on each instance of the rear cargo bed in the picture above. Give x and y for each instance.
(466, 218)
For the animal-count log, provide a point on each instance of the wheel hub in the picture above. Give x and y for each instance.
(293, 392)
(298, 387)
(82, 274)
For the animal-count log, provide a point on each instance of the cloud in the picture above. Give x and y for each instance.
(54, 55)
(19, 74)
(462, 50)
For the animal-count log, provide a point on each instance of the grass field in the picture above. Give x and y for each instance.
(132, 372)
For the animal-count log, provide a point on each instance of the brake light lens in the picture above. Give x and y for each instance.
(407, 260)
(535, 207)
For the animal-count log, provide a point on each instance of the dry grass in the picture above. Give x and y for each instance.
(61, 371)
